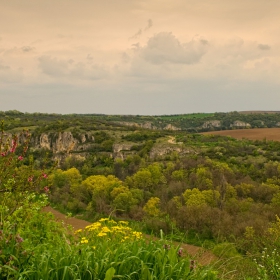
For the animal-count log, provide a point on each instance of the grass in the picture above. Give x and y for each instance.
(104, 250)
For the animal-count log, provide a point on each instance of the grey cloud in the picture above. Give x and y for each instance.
(164, 47)
(56, 68)
(264, 47)
(27, 49)
(10, 75)
(89, 57)
(4, 67)
(150, 24)
(137, 34)
(53, 66)
(203, 42)
(136, 45)
(125, 57)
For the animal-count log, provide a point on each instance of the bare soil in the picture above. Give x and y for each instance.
(201, 255)
(252, 134)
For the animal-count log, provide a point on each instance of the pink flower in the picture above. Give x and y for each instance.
(180, 252)
(3, 154)
(20, 158)
(46, 189)
(30, 179)
(14, 145)
(19, 239)
(45, 175)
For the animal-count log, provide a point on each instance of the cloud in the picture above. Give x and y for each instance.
(136, 45)
(150, 24)
(125, 57)
(27, 49)
(69, 69)
(89, 57)
(140, 31)
(10, 75)
(164, 47)
(264, 47)
(137, 34)
(53, 66)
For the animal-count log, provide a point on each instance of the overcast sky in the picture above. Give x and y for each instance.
(148, 57)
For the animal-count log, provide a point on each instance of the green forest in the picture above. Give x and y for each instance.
(212, 191)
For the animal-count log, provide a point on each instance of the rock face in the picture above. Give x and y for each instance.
(212, 124)
(65, 142)
(240, 124)
(44, 141)
(171, 127)
(62, 142)
(121, 150)
(147, 125)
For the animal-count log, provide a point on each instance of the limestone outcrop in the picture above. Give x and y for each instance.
(212, 124)
(62, 142)
(240, 124)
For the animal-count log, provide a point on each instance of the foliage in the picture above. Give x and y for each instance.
(17, 180)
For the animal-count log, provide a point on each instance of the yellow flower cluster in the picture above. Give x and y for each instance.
(84, 240)
(109, 229)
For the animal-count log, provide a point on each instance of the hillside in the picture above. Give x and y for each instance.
(210, 190)
(197, 122)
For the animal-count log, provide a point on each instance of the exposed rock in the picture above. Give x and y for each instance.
(211, 124)
(65, 142)
(240, 124)
(62, 142)
(171, 127)
(86, 137)
(122, 147)
(147, 125)
(121, 150)
(83, 138)
(161, 150)
(44, 141)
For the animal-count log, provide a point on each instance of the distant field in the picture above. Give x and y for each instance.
(252, 134)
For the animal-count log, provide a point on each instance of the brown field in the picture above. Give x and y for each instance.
(252, 134)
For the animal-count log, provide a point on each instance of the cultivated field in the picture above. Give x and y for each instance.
(252, 134)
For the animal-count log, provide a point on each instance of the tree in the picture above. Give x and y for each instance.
(99, 188)
(151, 208)
(194, 197)
(147, 178)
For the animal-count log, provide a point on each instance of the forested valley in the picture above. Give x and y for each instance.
(209, 190)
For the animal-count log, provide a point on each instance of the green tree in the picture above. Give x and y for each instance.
(147, 178)
(151, 208)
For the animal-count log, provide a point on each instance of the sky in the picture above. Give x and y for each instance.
(145, 57)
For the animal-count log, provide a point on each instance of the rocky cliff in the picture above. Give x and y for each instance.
(62, 142)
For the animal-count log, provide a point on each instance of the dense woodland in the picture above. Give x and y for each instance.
(213, 190)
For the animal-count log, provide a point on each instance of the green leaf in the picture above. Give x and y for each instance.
(110, 273)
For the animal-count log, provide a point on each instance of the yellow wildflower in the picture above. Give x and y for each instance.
(78, 231)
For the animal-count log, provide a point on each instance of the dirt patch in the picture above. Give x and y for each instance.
(252, 134)
(202, 256)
